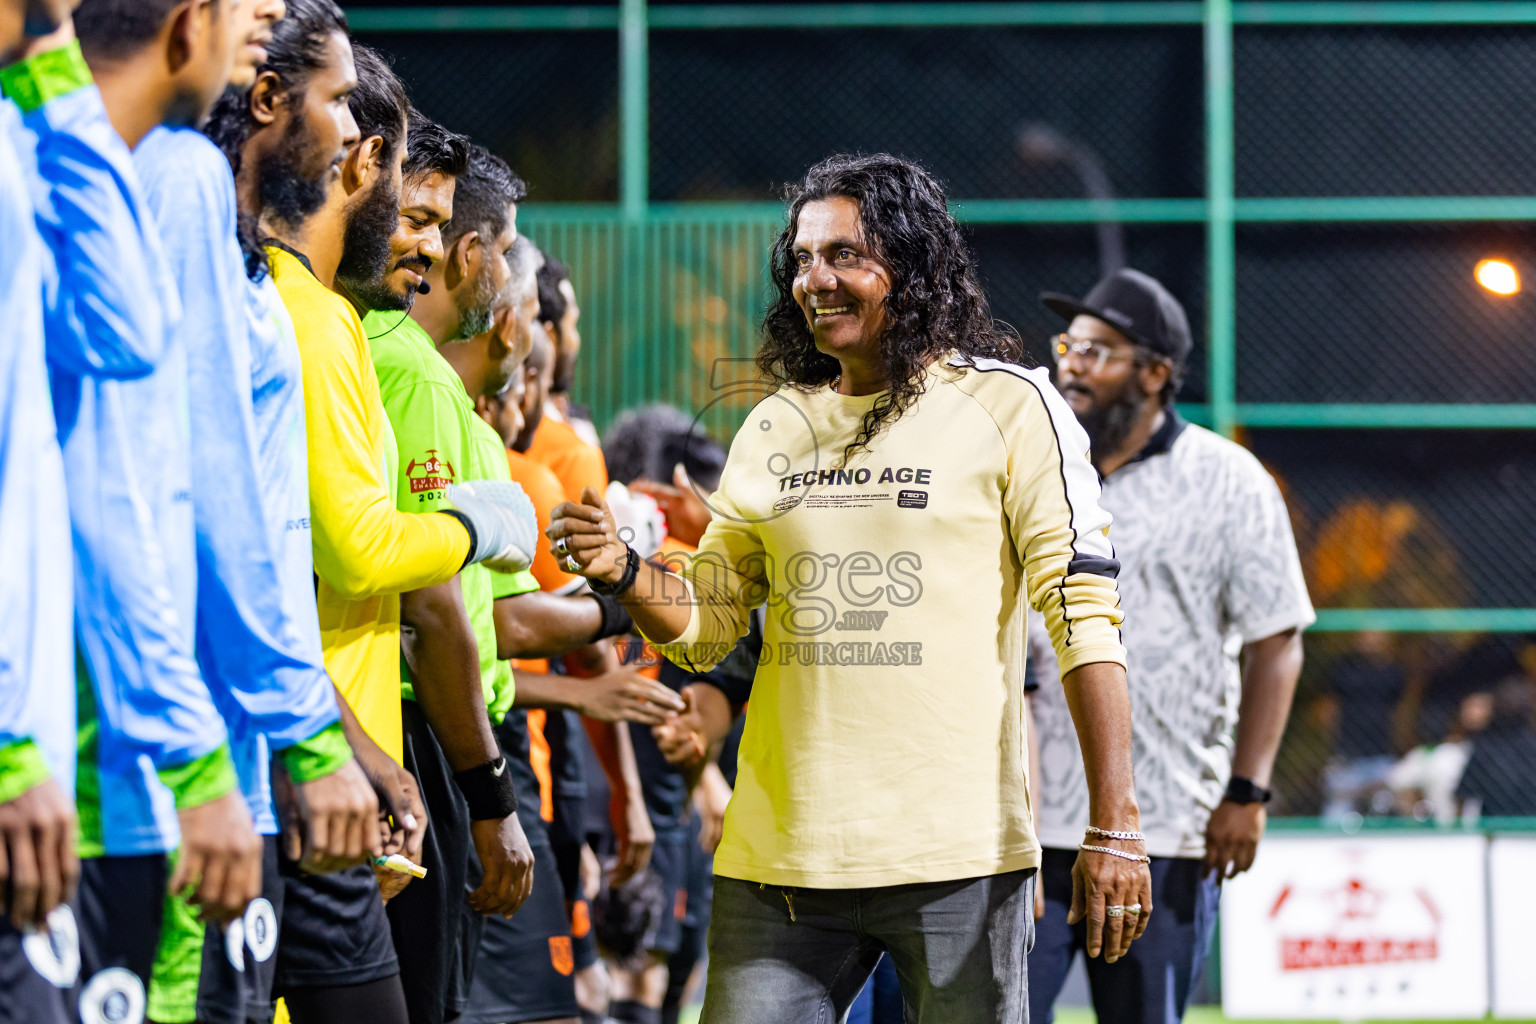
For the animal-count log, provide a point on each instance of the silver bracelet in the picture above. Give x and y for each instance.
(1123, 855)
(1109, 833)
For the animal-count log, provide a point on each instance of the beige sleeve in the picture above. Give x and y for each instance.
(1058, 526)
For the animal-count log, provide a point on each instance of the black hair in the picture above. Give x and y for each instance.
(551, 301)
(433, 149)
(649, 441)
(298, 48)
(935, 306)
(379, 103)
(113, 29)
(480, 200)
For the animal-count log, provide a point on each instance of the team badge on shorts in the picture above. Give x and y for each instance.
(261, 929)
(55, 954)
(112, 996)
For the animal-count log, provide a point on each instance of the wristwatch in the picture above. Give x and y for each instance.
(1246, 791)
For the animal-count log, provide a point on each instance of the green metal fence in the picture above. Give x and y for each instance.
(671, 288)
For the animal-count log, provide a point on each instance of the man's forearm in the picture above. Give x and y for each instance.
(539, 625)
(440, 649)
(1270, 669)
(545, 690)
(1101, 711)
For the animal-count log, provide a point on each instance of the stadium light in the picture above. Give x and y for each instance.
(1498, 276)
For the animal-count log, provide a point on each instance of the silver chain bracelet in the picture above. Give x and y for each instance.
(1109, 833)
(1123, 855)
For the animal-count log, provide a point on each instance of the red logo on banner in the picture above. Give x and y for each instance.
(1356, 934)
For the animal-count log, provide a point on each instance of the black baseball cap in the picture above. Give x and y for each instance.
(1137, 306)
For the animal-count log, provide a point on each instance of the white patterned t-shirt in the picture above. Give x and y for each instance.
(1207, 564)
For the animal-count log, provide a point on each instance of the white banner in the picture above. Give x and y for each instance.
(1511, 866)
(1357, 928)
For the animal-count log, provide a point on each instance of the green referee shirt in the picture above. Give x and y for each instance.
(441, 441)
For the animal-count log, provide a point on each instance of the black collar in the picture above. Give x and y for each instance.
(291, 251)
(1161, 441)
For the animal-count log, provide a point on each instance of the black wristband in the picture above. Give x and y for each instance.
(474, 538)
(488, 790)
(631, 572)
(616, 620)
(1246, 791)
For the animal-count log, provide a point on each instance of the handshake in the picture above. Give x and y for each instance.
(504, 525)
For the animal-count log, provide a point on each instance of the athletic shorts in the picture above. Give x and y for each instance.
(525, 966)
(435, 930)
(699, 883)
(198, 978)
(121, 902)
(565, 836)
(669, 859)
(334, 930)
(39, 972)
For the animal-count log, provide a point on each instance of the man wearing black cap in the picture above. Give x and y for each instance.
(1209, 570)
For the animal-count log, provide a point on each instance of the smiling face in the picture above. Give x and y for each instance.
(840, 284)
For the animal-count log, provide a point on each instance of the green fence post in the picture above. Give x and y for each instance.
(634, 109)
(1221, 237)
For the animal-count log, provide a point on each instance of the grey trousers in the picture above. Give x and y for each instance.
(785, 955)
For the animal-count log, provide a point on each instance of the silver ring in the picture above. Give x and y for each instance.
(1133, 909)
(563, 547)
(1115, 911)
(570, 565)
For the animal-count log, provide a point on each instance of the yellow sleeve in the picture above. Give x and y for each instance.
(1059, 529)
(363, 545)
(727, 577)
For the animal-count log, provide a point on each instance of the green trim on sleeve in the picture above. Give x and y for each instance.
(46, 76)
(21, 767)
(510, 584)
(201, 781)
(325, 752)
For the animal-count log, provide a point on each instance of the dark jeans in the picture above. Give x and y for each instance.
(1150, 985)
(779, 953)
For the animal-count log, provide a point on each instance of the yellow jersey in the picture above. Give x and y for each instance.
(367, 552)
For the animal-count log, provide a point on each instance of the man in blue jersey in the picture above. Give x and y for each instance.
(258, 634)
(38, 865)
(155, 766)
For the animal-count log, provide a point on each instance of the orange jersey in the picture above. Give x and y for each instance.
(575, 463)
(545, 491)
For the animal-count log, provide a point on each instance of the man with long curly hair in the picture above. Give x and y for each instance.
(901, 497)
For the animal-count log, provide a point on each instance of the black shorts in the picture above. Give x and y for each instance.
(565, 836)
(435, 930)
(235, 989)
(525, 967)
(334, 930)
(38, 973)
(120, 908)
(669, 859)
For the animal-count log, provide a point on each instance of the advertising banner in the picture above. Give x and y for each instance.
(1358, 928)
(1511, 867)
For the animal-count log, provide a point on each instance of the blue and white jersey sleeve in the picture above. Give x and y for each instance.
(253, 654)
(102, 316)
(37, 687)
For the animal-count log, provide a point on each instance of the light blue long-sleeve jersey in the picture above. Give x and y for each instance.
(258, 635)
(128, 470)
(37, 671)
